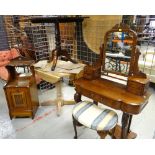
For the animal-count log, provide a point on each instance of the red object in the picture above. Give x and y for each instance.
(5, 57)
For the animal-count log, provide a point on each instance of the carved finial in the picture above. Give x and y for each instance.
(136, 71)
(121, 27)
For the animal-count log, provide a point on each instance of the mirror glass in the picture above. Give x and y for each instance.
(118, 49)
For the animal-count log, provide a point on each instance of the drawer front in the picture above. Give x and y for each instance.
(99, 98)
(136, 88)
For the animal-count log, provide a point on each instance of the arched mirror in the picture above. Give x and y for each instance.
(119, 50)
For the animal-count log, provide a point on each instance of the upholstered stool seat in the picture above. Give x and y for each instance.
(94, 117)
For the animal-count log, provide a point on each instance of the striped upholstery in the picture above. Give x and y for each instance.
(94, 117)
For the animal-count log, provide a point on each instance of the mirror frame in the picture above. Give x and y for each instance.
(123, 28)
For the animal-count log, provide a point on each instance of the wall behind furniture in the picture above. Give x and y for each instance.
(3, 36)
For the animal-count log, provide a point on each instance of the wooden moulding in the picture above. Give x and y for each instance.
(92, 72)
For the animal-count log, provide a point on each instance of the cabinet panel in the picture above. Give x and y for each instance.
(18, 98)
(19, 101)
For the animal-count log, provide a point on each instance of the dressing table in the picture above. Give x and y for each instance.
(100, 82)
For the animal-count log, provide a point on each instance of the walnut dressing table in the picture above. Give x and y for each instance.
(130, 98)
(115, 96)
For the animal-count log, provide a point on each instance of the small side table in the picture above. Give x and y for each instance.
(21, 90)
(55, 78)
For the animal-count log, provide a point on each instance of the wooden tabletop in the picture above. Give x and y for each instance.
(51, 77)
(21, 61)
(114, 94)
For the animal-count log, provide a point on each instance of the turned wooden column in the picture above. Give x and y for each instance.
(77, 97)
(126, 122)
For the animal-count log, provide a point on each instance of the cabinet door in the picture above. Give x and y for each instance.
(19, 98)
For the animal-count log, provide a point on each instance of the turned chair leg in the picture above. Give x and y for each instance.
(113, 133)
(95, 102)
(75, 130)
(102, 134)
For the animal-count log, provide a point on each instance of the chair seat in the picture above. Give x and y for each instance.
(94, 117)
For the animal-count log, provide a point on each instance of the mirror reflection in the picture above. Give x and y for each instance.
(118, 52)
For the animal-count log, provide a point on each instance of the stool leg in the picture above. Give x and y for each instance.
(102, 134)
(74, 125)
(113, 132)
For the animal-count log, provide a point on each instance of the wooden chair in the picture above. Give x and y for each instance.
(96, 118)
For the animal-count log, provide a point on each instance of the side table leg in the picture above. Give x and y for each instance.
(59, 97)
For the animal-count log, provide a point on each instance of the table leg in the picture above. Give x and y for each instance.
(130, 120)
(59, 97)
(95, 102)
(126, 122)
(77, 97)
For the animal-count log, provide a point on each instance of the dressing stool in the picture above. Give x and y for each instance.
(90, 115)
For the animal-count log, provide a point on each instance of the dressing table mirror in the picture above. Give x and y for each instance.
(118, 50)
(120, 59)
(102, 81)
